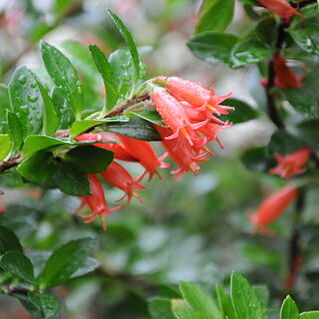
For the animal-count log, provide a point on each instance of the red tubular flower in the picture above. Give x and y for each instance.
(119, 177)
(96, 202)
(181, 152)
(291, 164)
(3, 208)
(145, 155)
(118, 149)
(280, 7)
(196, 95)
(273, 206)
(285, 77)
(174, 115)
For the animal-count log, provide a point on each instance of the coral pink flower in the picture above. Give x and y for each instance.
(3, 208)
(291, 164)
(196, 95)
(145, 154)
(174, 115)
(118, 149)
(273, 206)
(181, 152)
(285, 77)
(119, 177)
(96, 202)
(280, 7)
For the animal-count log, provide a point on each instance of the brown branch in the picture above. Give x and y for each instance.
(11, 162)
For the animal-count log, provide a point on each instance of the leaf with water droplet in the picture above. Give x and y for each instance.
(4, 105)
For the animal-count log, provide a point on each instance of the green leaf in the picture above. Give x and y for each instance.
(105, 69)
(136, 128)
(308, 132)
(309, 315)
(8, 240)
(289, 309)
(6, 145)
(15, 131)
(90, 265)
(306, 35)
(18, 265)
(63, 75)
(38, 168)
(26, 100)
(160, 308)
(249, 52)
(215, 15)
(150, 116)
(65, 261)
(36, 143)
(80, 127)
(267, 30)
(212, 46)
(284, 143)
(62, 6)
(89, 159)
(199, 301)
(4, 105)
(258, 160)
(129, 41)
(243, 111)
(122, 66)
(225, 304)
(182, 310)
(47, 306)
(71, 181)
(244, 299)
(63, 108)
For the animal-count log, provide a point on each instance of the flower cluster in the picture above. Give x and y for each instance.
(189, 112)
(281, 8)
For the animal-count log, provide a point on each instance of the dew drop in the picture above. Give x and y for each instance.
(22, 79)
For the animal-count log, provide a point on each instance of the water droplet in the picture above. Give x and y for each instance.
(22, 79)
(32, 98)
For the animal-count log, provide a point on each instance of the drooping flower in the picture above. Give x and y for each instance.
(181, 152)
(96, 202)
(285, 77)
(119, 177)
(291, 164)
(145, 154)
(280, 7)
(273, 206)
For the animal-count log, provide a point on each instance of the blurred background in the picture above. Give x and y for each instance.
(195, 230)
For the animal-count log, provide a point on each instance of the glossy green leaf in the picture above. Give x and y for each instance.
(38, 168)
(63, 75)
(249, 52)
(62, 6)
(267, 30)
(26, 101)
(136, 128)
(71, 181)
(63, 108)
(80, 127)
(129, 41)
(160, 308)
(150, 116)
(8, 240)
(257, 159)
(215, 15)
(199, 301)
(90, 265)
(36, 143)
(106, 71)
(18, 265)
(65, 261)
(15, 131)
(244, 299)
(182, 310)
(48, 306)
(4, 105)
(309, 315)
(243, 111)
(89, 159)
(289, 309)
(308, 132)
(212, 46)
(306, 34)
(284, 143)
(6, 145)
(225, 304)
